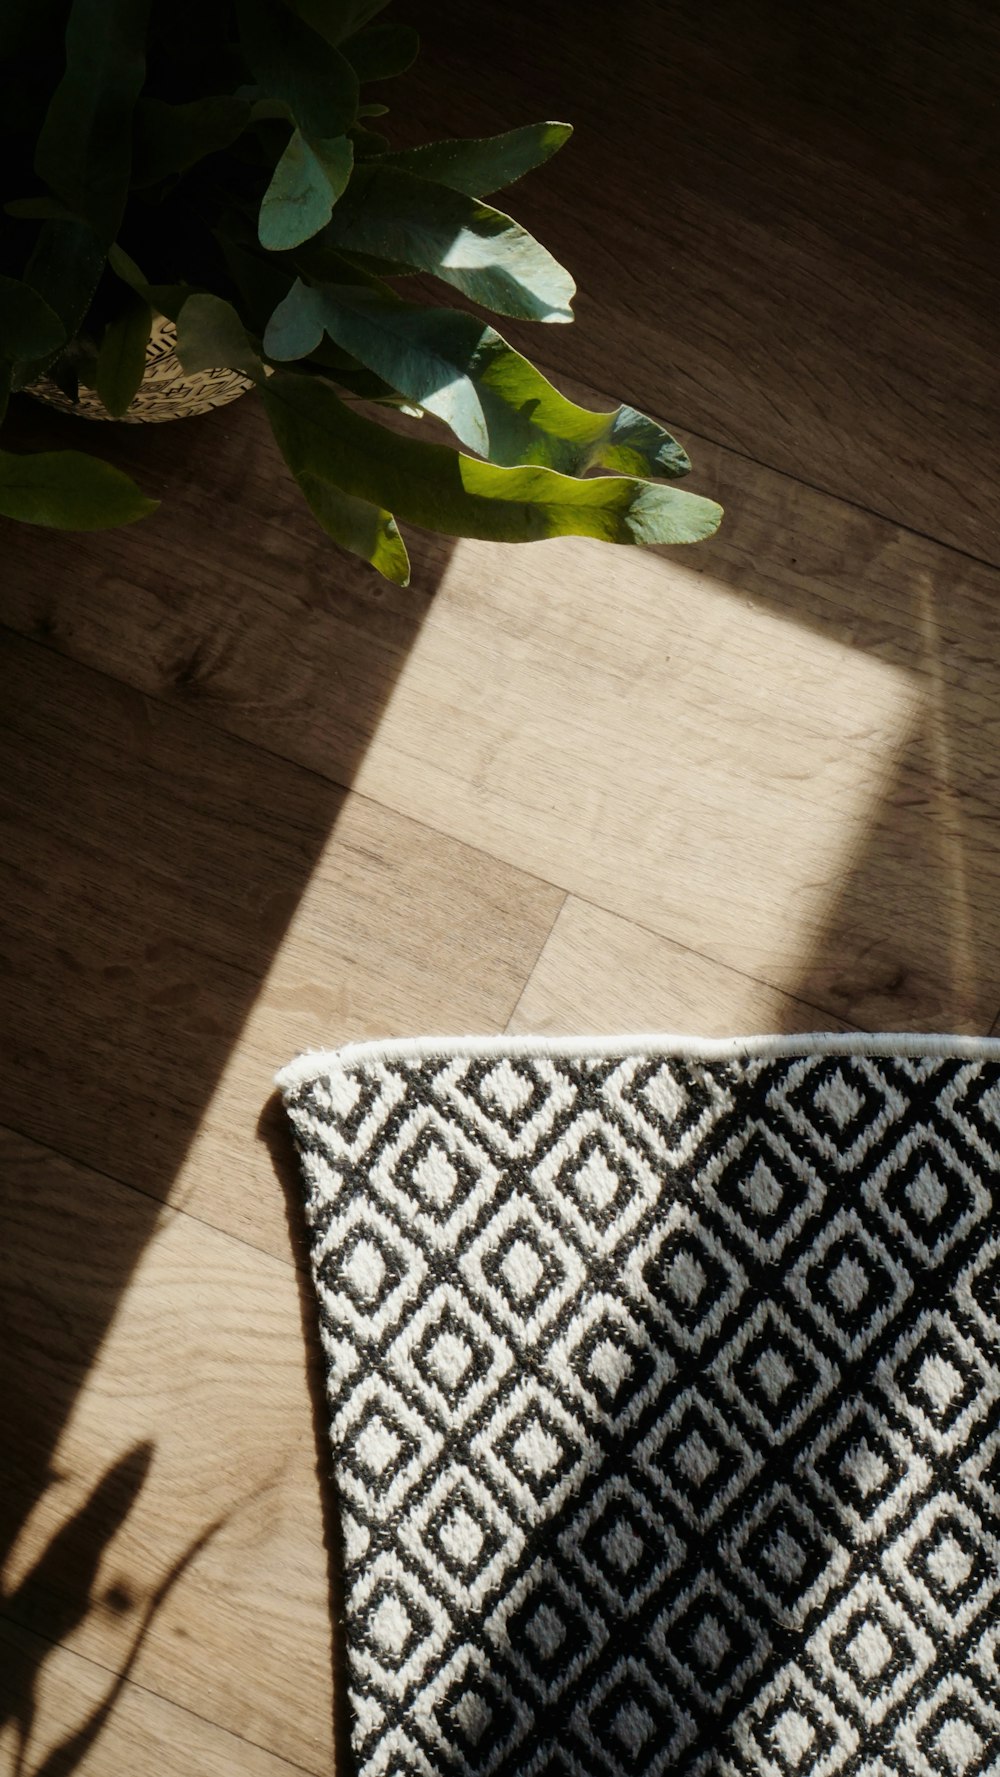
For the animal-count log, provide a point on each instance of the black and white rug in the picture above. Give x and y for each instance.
(664, 1386)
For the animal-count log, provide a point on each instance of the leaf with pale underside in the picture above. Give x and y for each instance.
(395, 216)
(336, 20)
(293, 64)
(460, 496)
(450, 364)
(481, 164)
(307, 182)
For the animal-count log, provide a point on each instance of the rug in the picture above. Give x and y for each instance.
(664, 1391)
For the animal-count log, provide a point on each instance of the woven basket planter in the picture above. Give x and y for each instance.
(167, 391)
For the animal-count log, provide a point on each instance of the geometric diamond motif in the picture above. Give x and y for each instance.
(927, 1194)
(774, 1373)
(841, 1107)
(787, 1557)
(470, 1716)
(608, 1362)
(948, 1562)
(971, 1103)
(865, 1469)
(794, 1730)
(978, 1291)
(387, 1446)
(872, 1649)
(620, 1546)
(690, 1281)
(980, 1471)
(664, 1394)
(988, 1662)
(520, 1267)
(451, 1355)
(955, 1731)
(539, 1620)
(401, 1635)
(513, 1104)
(763, 1189)
(634, 1721)
(432, 1175)
(671, 1104)
(850, 1284)
(710, 1642)
(368, 1267)
(462, 1534)
(532, 1452)
(940, 1380)
(597, 1180)
(698, 1458)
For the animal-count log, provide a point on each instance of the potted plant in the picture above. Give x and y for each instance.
(196, 202)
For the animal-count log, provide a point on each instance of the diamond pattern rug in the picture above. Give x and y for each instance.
(664, 1389)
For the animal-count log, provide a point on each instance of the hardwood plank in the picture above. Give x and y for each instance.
(180, 1494)
(601, 974)
(781, 220)
(779, 750)
(86, 1724)
(181, 912)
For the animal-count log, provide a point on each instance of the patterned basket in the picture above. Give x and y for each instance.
(167, 392)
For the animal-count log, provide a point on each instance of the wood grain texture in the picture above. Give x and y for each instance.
(174, 1526)
(87, 1720)
(252, 799)
(599, 973)
(181, 912)
(761, 749)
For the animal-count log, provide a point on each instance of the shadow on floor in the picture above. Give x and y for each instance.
(151, 868)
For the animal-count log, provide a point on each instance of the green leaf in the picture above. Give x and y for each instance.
(84, 151)
(69, 491)
(171, 138)
(211, 336)
(297, 325)
(308, 180)
(38, 209)
(29, 328)
(293, 64)
(163, 299)
(65, 268)
(336, 19)
(382, 52)
(357, 525)
(121, 359)
(494, 400)
(483, 164)
(4, 390)
(393, 215)
(319, 262)
(462, 497)
(368, 144)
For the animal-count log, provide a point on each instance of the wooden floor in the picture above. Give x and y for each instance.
(256, 800)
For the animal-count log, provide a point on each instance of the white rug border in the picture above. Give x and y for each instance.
(910, 1045)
